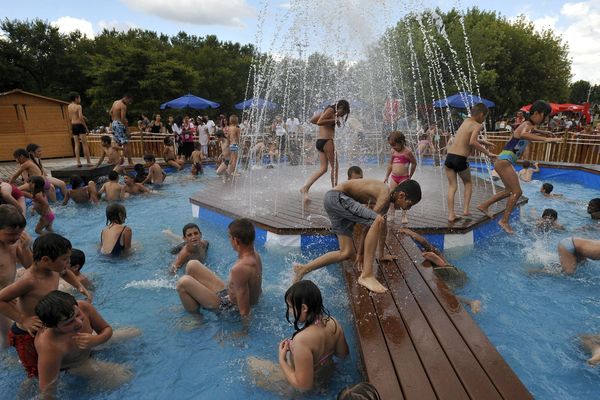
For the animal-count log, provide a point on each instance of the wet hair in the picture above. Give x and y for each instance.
(479, 109)
(360, 391)
(51, 245)
(220, 134)
(115, 213)
(20, 153)
(342, 104)
(139, 168)
(75, 181)
(397, 137)
(77, 258)
(540, 106)
(11, 217)
(31, 149)
(411, 190)
(38, 184)
(243, 230)
(73, 96)
(355, 169)
(593, 205)
(167, 141)
(550, 213)
(526, 164)
(130, 174)
(307, 293)
(105, 139)
(113, 176)
(55, 307)
(191, 225)
(149, 158)
(233, 119)
(547, 188)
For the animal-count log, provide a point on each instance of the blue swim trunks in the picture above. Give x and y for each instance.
(119, 132)
(234, 147)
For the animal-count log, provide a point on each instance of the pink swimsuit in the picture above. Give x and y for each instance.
(399, 159)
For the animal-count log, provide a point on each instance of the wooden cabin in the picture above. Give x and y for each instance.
(30, 118)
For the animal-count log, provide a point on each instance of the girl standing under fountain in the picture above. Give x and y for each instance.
(402, 166)
(327, 121)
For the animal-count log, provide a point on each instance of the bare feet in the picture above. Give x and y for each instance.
(298, 272)
(485, 211)
(466, 213)
(453, 219)
(304, 192)
(475, 306)
(388, 257)
(404, 219)
(372, 284)
(506, 227)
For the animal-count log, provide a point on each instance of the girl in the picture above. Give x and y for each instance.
(35, 153)
(402, 164)
(156, 126)
(327, 121)
(233, 134)
(509, 156)
(40, 204)
(115, 239)
(187, 138)
(10, 194)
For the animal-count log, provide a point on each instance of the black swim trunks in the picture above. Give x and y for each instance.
(225, 303)
(456, 163)
(78, 129)
(320, 145)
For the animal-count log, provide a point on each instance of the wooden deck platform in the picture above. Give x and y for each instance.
(417, 341)
(87, 173)
(284, 212)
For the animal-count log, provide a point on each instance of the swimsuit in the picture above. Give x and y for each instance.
(320, 145)
(78, 129)
(344, 212)
(49, 218)
(513, 150)
(118, 249)
(398, 158)
(234, 148)
(16, 192)
(198, 167)
(225, 303)
(119, 132)
(568, 245)
(456, 163)
(323, 360)
(399, 178)
(225, 161)
(22, 341)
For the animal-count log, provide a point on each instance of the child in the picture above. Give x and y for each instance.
(76, 263)
(197, 157)
(574, 250)
(132, 187)
(593, 208)
(355, 172)
(548, 221)
(192, 248)
(14, 247)
(51, 257)
(307, 356)
(169, 154)
(526, 174)
(35, 154)
(592, 344)
(40, 205)
(327, 120)
(360, 391)
(203, 135)
(28, 169)
(112, 152)
(10, 194)
(233, 134)
(466, 139)
(112, 189)
(140, 173)
(344, 207)
(81, 195)
(398, 168)
(225, 156)
(156, 175)
(115, 239)
(546, 191)
(72, 330)
(509, 156)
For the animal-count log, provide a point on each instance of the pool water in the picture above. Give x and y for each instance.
(178, 355)
(535, 320)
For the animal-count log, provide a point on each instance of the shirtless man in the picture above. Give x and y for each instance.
(112, 152)
(193, 247)
(345, 209)
(466, 139)
(71, 330)
(112, 189)
(79, 128)
(225, 156)
(201, 287)
(132, 187)
(14, 246)
(233, 134)
(81, 194)
(118, 115)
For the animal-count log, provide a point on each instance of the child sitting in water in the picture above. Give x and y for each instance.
(140, 173)
(169, 154)
(81, 195)
(548, 221)
(402, 166)
(115, 239)
(76, 263)
(132, 187)
(192, 248)
(546, 191)
(40, 205)
(112, 152)
(526, 174)
(72, 330)
(112, 189)
(156, 175)
(197, 157)
(307, 357)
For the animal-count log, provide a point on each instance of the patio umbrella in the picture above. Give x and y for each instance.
(190, 101)
(462, 100)
(256, 102)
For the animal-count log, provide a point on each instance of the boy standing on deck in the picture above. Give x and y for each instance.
(466, 139)
(344, 207)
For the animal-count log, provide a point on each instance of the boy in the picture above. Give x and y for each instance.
(79, 127)
(140, 173)
(169, 154)
(344, 207)
(156, 175)
(548, 220)
(466, 139)
(51, 257)
(526, 174)
(355, 172)
(14, 247)
(112, 189)
(75, 264)
(225, 156)
(593, 208)
(197, 157)
(72, 329)
(201, 287)
(132, 187)
(546, 191)
(81, 195)
(193, 247)
(112, 152)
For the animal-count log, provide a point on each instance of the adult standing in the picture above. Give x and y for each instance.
(169, 124)
(187, 137)
(203, 135)
(156, 126)
(118, 115)
(79, 128)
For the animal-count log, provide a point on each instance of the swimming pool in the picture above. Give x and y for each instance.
(178, 355)
(534, 320)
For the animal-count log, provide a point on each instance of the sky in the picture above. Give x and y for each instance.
(236, 20)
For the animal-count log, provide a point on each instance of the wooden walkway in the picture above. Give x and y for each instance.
(417, 342)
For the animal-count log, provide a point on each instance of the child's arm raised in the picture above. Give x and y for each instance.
(528, 135)
(327, 117)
